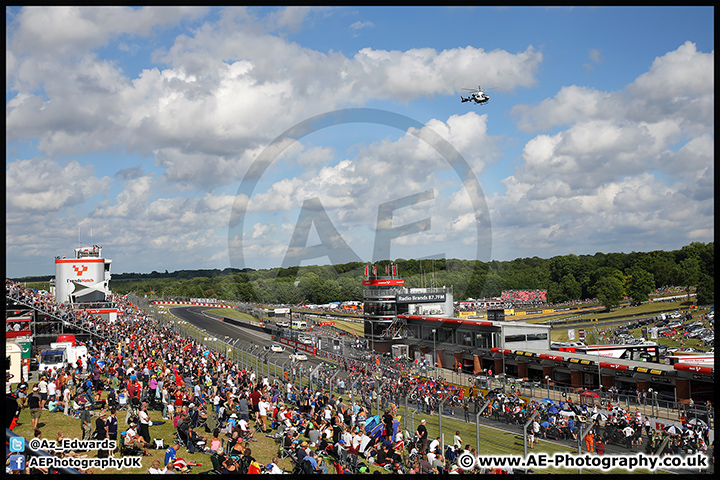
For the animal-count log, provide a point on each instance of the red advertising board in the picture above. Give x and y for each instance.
(383, 283)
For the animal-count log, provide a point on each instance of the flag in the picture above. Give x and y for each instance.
(367, 271)
(374, 270)
(394, 270)
(387, 269)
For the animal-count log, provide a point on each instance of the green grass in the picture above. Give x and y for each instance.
(229, 312)
(650, 309)
(493, 441)
(350, 327)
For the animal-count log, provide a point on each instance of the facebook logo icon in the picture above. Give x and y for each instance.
(17, 462)
(17, 444)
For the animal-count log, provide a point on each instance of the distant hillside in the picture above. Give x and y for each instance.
(565, 277)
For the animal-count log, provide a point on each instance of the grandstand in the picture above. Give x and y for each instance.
(524, 297)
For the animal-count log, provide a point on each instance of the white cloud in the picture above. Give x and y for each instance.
(359, 25)
(41, 185)
(226, 90)
(63, 30)
(603, 166)
(633, 163)
(682, 73)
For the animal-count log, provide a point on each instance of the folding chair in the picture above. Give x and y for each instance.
(283, 451)
(297, 465)
(122, 402)
(181, 438)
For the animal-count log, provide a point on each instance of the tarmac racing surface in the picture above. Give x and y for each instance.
(214, 325)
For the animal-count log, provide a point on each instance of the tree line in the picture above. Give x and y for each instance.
(608, 277)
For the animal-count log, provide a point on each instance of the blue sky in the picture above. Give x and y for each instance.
(140, 125)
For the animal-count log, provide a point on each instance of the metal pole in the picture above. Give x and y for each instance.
(477, 429)
(440, 432)
(406, 411)
(532, 417)
(434, 352)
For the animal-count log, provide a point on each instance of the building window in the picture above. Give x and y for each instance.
(537, 336)
(415, 329)
(465, 338)
(483, 340)
(445, 334)
(515, 338)
(379, 309)
(427, 334)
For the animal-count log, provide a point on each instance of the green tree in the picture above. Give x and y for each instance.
(706, 290)
(311, 288)
(639, 284)
(570, 288)
(689, 273)
(609, 291)
(494, 284)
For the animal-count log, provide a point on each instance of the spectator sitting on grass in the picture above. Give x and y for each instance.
(132, 438)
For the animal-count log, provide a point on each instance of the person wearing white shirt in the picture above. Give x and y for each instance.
(144, 419)
(51, 389)
(66, 400)
(356, 439)
(434, 444)
(245, 428)
(347, 437)
(263, 407)
(629, 432)
(273, 467)
(42, 387)
(157, 469)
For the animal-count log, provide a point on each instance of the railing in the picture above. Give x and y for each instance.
(55, 316)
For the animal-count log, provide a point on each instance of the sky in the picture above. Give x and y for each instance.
(199, 138)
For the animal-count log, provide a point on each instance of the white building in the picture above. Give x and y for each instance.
(82, 279)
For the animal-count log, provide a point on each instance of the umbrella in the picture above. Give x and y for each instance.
(671, 429)
(697, 421)
(567, 413)
(599, 415)
(548, 400)
(545, 424)
(552, 410)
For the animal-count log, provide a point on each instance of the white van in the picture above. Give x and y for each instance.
(299, 325)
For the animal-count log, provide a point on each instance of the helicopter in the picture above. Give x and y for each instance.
(477, 96)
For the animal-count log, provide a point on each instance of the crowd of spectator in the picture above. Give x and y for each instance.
(524, 297)
(219, 408)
